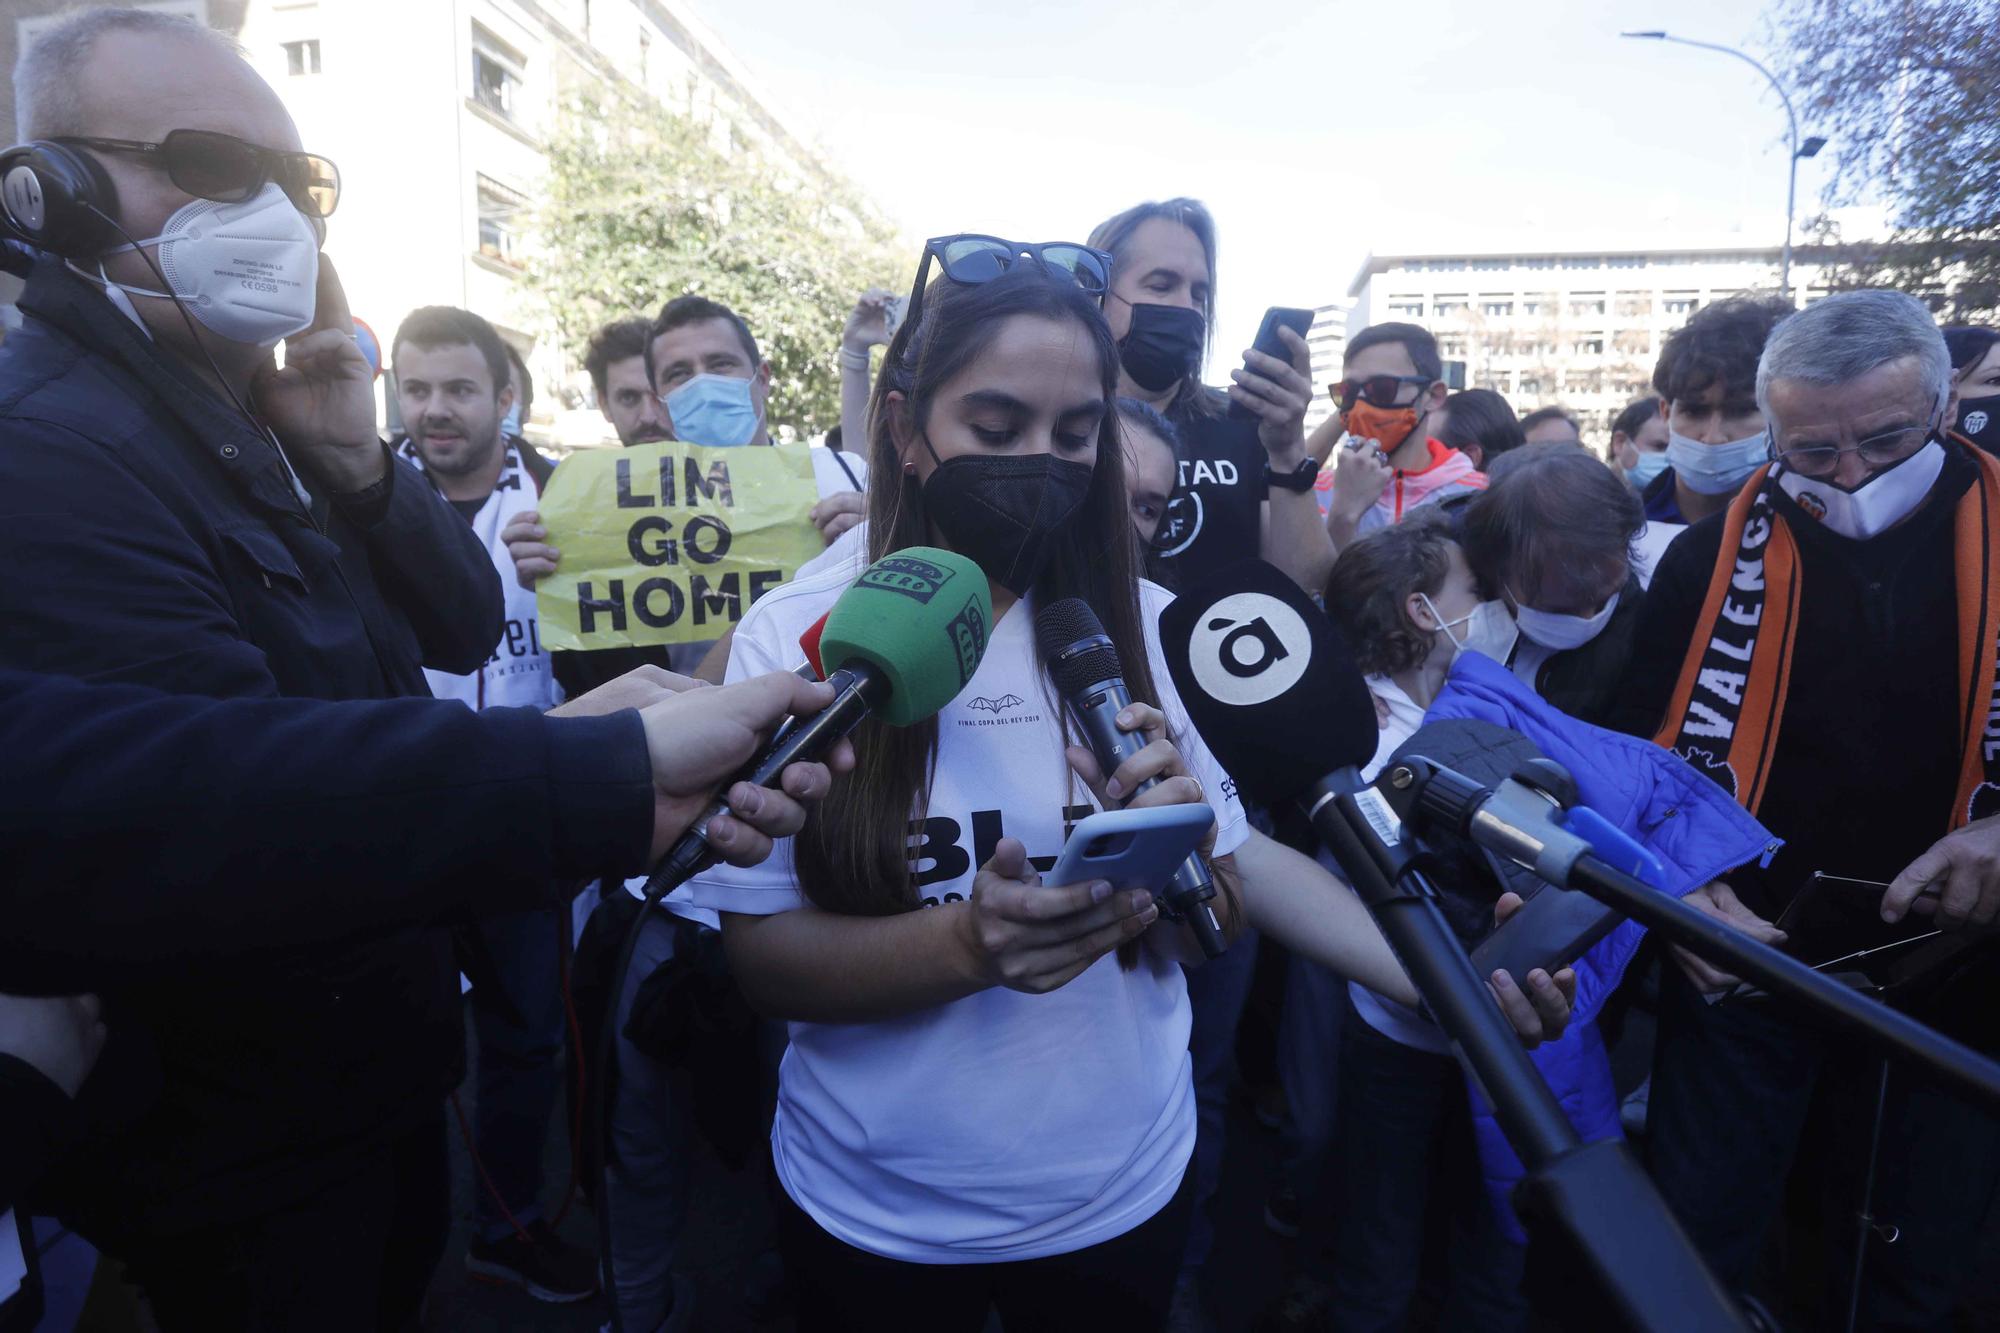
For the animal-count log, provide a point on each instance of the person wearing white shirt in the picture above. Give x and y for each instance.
(987, 1102)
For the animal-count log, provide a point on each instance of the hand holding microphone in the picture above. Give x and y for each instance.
(1084, 665)
(1156, 771)
(697, 735)
(701, 735)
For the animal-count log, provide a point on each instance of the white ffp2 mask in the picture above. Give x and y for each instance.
(248, 270)
(1879, 503)
(1489, 630)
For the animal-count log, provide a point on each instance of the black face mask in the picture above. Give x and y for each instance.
(1004, 511)
(1979, 421)
(1163, 346)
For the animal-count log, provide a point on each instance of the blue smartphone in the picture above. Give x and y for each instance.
(1131, 849)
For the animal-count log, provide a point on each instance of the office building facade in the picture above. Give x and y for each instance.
(1579, 327)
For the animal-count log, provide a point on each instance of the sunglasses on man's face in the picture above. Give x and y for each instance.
(1376, 390)
(972, 259)
(211, 165)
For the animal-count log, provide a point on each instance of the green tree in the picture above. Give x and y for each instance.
(1909, 93)
(642, 205)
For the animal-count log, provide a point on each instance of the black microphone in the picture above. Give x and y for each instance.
(1084, 664)
(1271, 686)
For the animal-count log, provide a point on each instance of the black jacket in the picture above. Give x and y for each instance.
(1868, 756)
(158, 540)
(209, 803)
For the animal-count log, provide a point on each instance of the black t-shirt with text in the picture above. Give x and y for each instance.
(1216, 515)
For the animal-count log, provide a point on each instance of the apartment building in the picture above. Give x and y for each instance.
(436, 112)
(1328, 340)
(1577, 326)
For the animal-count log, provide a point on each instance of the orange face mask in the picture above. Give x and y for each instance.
(1387, 426)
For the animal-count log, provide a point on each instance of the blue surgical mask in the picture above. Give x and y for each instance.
(1648, 467)
(1716, 469)
(715, 410)
(510, 425)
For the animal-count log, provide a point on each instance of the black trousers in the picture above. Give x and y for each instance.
(1404, 1118)
(1733, 1085)
(358, 1255)
(1125, 1283)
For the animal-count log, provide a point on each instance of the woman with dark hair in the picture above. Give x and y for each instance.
(1975, 361)
(978, 1108)
(1552, 537)
(1479, 424)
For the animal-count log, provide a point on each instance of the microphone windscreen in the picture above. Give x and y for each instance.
(922, 616)
(809, 645)
(1267, 680)
(1062, 626)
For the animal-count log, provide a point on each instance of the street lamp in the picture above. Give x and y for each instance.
(1799, 150)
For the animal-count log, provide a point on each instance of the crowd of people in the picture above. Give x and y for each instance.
(259, 876)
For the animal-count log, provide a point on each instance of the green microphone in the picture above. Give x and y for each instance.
(917, 621)
(899, 645)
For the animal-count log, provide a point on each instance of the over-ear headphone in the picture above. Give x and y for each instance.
(56, 199)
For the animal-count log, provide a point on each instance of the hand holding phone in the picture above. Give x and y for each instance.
(1133, 848)
(1271, 343)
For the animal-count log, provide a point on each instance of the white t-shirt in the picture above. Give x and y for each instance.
(1394, 1021)
(832, 477)
(1001, 1126)
(1650, 545)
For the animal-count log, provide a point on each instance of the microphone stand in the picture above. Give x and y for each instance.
(1596, 1193)
(1521, 821)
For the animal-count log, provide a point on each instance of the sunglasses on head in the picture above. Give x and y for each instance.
(222, 167)
(1376, 390)
(972, 259)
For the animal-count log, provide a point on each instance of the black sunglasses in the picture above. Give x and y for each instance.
(1376, 390)
(972, 259)
(211, 165)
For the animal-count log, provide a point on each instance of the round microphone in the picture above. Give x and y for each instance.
(1267, 680)
(918, 617)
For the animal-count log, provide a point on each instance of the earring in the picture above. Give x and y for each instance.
(909, 469)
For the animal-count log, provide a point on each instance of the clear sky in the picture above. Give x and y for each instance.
(1317, 132)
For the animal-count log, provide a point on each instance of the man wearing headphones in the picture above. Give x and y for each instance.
(268, 1144)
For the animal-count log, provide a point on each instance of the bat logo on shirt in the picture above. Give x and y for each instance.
(996, 706)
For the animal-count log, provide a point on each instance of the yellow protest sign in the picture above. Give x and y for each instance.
(669, 543)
